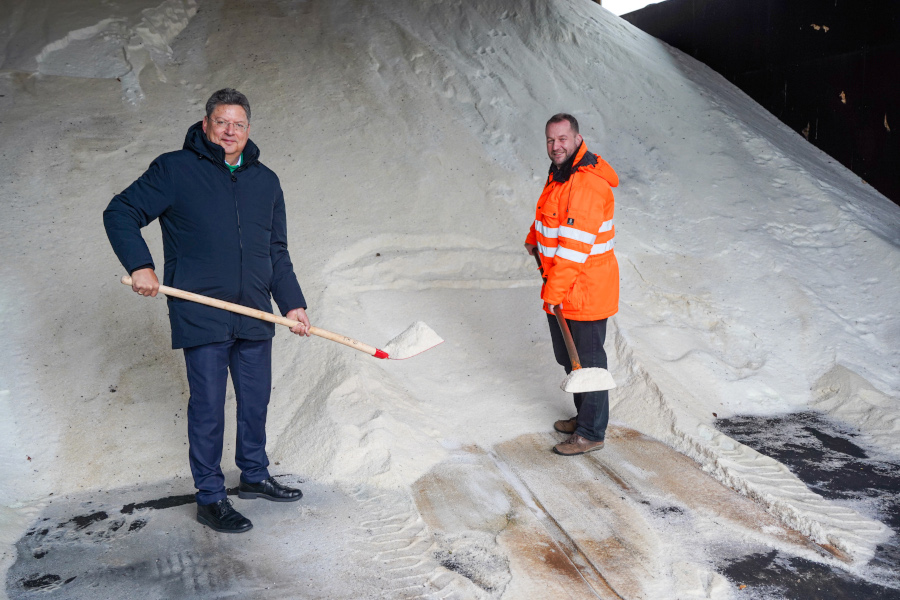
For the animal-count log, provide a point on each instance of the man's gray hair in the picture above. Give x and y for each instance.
(227, 96)
(560, 117)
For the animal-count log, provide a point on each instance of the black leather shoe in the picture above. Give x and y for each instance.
(268, 489)
(220, 516)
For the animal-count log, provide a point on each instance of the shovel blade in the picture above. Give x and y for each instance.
(416, 339)
(591, 379)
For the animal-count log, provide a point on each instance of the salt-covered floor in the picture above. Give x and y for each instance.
(144, 543)
(514, 521)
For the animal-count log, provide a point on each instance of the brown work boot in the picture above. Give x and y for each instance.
(566, 425)
(576, 445)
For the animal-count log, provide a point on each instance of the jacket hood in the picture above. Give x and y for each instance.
(196, 141)
(586, 162)
(603, 170)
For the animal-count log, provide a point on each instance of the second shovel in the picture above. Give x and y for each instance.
(590, 379)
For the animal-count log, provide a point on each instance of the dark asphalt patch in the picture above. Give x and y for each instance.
(83, 521)
(773, 576)
(828, 458)
(159, 503)
(40, 582)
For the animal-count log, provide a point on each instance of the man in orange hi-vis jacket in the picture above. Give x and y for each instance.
(574, 231)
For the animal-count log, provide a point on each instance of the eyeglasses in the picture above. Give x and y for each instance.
(222, 124)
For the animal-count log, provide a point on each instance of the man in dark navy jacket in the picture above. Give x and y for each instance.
(224, 235)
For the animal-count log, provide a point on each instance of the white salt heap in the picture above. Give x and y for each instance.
(758, 276)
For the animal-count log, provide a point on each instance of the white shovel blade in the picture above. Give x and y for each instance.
(417, 338)
(591, 379)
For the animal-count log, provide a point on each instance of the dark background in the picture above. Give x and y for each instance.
(772, 51)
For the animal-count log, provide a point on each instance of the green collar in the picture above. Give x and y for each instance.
(233, 168)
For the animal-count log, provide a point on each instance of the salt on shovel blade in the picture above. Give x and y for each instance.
(591, 379)
(417, 338)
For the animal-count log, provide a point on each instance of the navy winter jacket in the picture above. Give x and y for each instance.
(224, 236)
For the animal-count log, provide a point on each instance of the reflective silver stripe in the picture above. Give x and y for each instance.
(607, 226)
(545, 231)
(577, 235)
(575, 255)
(603, 248)
(547, 251)
(572, 255)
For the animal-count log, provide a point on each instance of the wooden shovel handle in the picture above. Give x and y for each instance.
(265, 316)
(563, 325)
(567, 336)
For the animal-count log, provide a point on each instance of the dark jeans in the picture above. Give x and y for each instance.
(250, 363)
(592, 407)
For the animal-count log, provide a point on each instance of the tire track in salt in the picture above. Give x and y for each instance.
(395, 541)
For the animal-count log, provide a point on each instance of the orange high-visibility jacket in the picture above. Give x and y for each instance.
(574, 230)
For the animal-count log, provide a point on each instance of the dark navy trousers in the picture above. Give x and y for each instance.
(592, 407)
(250, 363)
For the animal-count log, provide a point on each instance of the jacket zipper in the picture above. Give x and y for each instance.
(237, 214)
